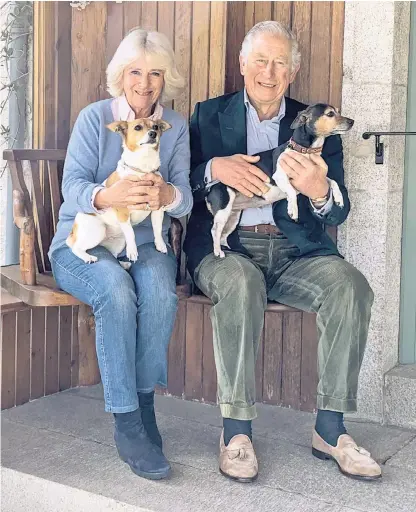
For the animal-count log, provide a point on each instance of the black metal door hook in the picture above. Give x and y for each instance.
(379, 146)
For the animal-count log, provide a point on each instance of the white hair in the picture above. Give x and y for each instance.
(277, 29)
(138, 43)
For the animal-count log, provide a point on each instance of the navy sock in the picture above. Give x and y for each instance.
(146, 399)
(234, 427)
(330, 425)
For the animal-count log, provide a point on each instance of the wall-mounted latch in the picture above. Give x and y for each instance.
(379, 146)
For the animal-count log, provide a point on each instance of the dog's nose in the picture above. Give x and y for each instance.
(152, 134)
(350, 121)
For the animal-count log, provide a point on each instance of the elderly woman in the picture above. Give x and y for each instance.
(134, 310)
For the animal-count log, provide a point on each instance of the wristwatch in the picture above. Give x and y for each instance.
(318, 202)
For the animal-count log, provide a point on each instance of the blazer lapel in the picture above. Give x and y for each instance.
(233, 126)
(285, 132)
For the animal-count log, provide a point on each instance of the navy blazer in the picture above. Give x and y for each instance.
(218, 128)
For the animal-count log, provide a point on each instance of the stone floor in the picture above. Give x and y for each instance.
(58, 455)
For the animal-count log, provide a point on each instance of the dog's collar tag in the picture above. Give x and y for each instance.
(300, 149)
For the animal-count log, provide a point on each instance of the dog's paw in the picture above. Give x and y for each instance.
(293, 212)
(161, 246)
(219, 254)
(90, 259)
(132, 253)
(125, 264)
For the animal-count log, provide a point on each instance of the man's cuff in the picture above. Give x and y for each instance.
(208, 176)
(176, 201)
(94, 193)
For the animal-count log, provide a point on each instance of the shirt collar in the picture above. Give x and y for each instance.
(126, 113)
(276, 119)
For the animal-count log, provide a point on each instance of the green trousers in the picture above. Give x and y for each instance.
(326, 285)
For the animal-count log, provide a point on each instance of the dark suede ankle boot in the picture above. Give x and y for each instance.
(147, 408)
(136, 449)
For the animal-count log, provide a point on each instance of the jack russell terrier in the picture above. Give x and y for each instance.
(311, 127)
(113, 228)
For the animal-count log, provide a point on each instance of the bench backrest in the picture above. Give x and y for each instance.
(41, 193)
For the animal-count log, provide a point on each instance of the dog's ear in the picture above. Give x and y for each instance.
(300, 120)
(163, 125)
(118, 126)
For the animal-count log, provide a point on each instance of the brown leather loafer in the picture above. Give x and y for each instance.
(352, 460)
(238, 460)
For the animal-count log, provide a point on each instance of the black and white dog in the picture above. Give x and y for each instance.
(311, 127)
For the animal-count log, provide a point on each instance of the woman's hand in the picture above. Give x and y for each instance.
(150, 192)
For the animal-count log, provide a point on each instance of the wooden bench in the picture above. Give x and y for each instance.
(286, 365)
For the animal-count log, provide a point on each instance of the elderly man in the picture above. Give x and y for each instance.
(289, 269)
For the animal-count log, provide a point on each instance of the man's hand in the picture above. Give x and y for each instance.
(237, 172)
(308, 176)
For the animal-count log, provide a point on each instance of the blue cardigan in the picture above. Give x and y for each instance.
(92, 155)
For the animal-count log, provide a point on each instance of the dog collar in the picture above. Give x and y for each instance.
(127, 168)
(300, 149)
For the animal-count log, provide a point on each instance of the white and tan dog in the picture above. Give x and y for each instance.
(113, 228)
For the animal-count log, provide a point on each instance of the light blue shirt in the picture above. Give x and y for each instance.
(261, 136)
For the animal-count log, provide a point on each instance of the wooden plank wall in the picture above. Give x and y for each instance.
(319, 27)
(206, 36)
(39, 352)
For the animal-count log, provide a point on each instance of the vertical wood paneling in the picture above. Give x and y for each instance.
(301, 23)
(183, 15)
(320, 52)
(62, 111)
(262, 11)
(291, 359)
(309, 373)
(74, 349)
(200, 52)
(166, 20)
(217, 47)
(176, 359)
(8, 356)
(114, 30)
(65, 328)
(52, 351)
(37, 354)
(132, 12)
(89, 372)
(149, 15)
(194, 336)
(249, 16)
(337, 46)
(282, 12)
(272, 358)
(209, 374)
(235, 36)
(23, 357)
(88, 56)
(166, 25)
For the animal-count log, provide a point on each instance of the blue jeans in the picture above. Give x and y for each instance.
(134, 316)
